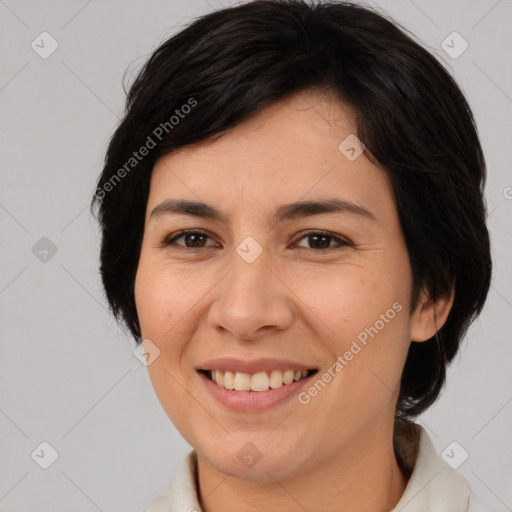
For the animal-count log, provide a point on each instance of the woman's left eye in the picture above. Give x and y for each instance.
(322, 240)
(319, 240)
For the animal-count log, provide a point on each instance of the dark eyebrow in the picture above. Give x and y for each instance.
(308, 208)
(283, 212)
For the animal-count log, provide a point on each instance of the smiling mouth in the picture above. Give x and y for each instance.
(260, 381)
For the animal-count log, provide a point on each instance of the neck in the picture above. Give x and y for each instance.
(365, 477)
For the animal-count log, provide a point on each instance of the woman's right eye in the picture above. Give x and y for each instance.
(194, 239)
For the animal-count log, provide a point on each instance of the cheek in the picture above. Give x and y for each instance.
(364, 319)
(169, 309)
(346, 300)
(157, 300)
(157, 303)
(373, 355)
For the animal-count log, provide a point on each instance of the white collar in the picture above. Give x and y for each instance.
(433, 485)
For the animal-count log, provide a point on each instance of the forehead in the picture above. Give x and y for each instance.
(288, 152)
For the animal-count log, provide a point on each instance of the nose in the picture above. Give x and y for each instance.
(252, 300)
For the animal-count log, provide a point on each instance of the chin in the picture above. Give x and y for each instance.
(258, 461)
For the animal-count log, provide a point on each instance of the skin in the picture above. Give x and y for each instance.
(295, 301)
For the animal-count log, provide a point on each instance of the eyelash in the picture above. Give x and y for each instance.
(171, 241)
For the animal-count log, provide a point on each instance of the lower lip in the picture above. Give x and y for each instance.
(253, 401)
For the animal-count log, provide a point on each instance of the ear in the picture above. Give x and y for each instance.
(430, 315)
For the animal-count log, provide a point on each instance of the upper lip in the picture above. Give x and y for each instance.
(254, 366)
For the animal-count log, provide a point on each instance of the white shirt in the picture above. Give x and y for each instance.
(432, 487)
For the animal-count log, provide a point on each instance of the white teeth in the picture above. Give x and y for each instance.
(261, 381)
(229, 378)
(276, 379)
(219, 377)
(288, 376)
(242, 381)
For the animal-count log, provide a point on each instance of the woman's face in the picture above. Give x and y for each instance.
(264, 282)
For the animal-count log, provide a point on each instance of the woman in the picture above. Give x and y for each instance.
(293, 230)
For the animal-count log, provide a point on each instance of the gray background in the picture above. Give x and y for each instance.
(68, 373)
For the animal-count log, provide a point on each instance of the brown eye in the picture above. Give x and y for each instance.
(322, 240)
(193, 239)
